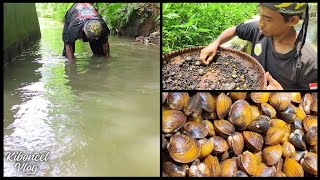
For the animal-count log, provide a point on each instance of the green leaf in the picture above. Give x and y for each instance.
(171, 16)
(203, 30)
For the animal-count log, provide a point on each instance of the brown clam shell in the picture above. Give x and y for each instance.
(312, 136)
(272, 154)
(297, 138)
(172, 120)
(274, 135)
(310, 163)
(236, 143)
(164, 96)
(213, 163)
(174, 170)
(228, 167)
(247, 162)
(268, 110)
(259, 124)
(295, 97)
(288, 150)
(240, 114)
(183, 148)
(309, 122)
(177, 100)
(223, 128)
(208, 101)
(260, 97)
(223, 105)
(220, 144)
(237, 95)
(253, 140)
(206, 147)
(195, 129)
(198, 169)
(291, 168)
(193, 106)
(280, 100)
(210, 127)
(306, 102)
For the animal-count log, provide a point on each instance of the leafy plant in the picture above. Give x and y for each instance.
(194, 24)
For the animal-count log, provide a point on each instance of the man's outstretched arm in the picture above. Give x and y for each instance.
(69, 52)
(106, 49)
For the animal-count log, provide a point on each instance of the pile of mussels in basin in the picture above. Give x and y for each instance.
(191, 74)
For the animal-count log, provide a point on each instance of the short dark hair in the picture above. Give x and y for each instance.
(286, 17)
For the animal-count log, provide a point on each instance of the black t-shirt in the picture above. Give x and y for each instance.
(76, 17)
(285, 68)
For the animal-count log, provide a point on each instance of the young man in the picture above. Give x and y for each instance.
(288, 61)
(82, 21)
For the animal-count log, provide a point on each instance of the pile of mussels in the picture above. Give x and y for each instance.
(239, 134)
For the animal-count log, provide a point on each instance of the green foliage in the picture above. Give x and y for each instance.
(117, 15)
(53, 10)
(195, 24)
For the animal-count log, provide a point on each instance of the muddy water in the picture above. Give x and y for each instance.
(93, 117)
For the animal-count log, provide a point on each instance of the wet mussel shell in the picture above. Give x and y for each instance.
(172, 121)
(183, 148)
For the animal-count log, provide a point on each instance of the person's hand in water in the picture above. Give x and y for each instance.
(272, 83)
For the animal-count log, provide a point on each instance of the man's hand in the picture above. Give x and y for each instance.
(273, 84)
(69, 53)
(207, 53)
(106, 49)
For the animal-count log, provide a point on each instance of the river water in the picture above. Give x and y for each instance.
(95, 117)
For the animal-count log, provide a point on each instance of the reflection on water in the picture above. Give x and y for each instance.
(95, 117)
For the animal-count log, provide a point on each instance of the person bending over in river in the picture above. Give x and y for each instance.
(82, 21)
(289, 62)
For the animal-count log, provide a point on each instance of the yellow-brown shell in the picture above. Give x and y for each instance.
(306, 102)
(193, 106)
(172, 120)
(223, 105)
(256, 111)
(260, 97)
(183, 148)
(240, 114)
(228, 167)
(253, 140)
(177, 100)
(288, 150)
(236, 143)
(208, 101)
(291, 168)
(174, 170)
(247, 162)
(237, 95)
(223, 128)
(195, 129)
(310, 163)
(220, 144)
(309, 122)
(295, 97)
(213, 163)
(265, 171)
(208, 124)
(206, 147)
(274, 135)
(280, 100)
(268, 110)
(198, 169)
(272, 154)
